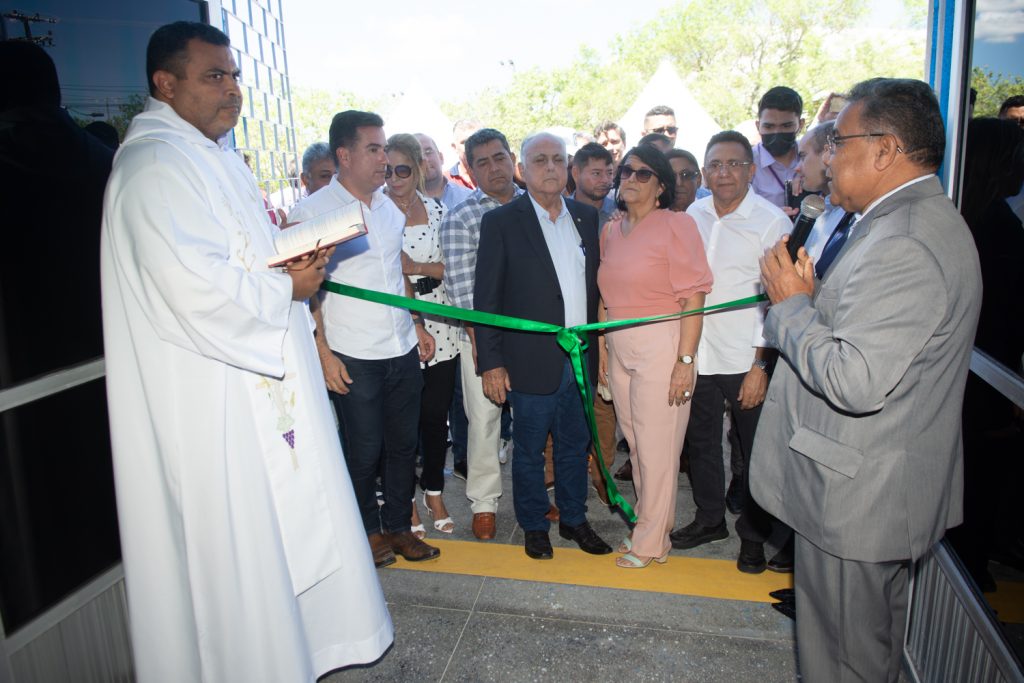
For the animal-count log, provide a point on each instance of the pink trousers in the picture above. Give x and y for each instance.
(640, 362)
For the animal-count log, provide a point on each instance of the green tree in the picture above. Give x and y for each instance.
(993, 89)
(728, 52)
(313, 109)
(135, 103)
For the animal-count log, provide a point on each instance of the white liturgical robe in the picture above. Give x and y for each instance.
(244, 554)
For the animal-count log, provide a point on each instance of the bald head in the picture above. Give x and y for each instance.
(432, 159)
(544, 166)
(537, 138)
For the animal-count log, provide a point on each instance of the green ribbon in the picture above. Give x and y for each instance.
(572, 339)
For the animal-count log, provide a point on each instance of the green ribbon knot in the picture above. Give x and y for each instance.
(573, 340)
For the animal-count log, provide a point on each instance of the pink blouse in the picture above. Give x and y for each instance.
(653, 269)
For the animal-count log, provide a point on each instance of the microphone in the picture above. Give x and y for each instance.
(810, 208)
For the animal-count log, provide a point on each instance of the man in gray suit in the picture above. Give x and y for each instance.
(858, 448)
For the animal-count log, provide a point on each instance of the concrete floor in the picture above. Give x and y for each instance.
(452, 627)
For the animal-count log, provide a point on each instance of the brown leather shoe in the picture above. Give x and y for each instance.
(381, 549)
(598, 480)
(484, 525)
(552, 513)
(406, 544)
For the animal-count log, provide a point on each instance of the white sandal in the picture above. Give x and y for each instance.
(418, 530)
(446, 525)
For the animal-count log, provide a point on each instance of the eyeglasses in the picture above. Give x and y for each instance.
(834, 142)
(688, 175)
(642, 174)
(402, 171)
(666, 130)
(727, 166)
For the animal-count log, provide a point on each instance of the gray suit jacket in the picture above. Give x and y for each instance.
(858, 446)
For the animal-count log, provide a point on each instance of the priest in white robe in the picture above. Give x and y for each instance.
(244, 554)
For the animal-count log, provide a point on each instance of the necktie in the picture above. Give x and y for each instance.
(833, 246)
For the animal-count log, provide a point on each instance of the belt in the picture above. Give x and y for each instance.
(426, 285)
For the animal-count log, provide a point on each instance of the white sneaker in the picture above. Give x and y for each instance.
(506, 446)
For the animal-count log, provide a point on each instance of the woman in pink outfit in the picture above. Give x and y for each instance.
(652, 263)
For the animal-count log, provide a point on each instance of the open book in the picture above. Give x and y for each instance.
(318, 232)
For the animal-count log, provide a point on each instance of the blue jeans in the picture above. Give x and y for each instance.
(380, 428)
(533, 416)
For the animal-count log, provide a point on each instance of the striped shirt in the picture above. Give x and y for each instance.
(460, 238)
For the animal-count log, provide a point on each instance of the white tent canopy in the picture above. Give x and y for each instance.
(666, 87)
(416, 112)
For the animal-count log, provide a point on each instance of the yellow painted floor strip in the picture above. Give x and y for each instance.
(680, 575)
(1008, 601)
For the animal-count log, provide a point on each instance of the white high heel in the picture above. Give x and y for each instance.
(446, 525)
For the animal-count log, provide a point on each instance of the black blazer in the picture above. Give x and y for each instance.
(516, 276)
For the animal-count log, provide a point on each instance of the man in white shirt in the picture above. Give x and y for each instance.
(368, 350)
(737, 225)
(237, 520)
(538, 260)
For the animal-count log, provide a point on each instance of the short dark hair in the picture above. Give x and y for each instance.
(782, 98)
(482, 137)
(651, 138)
(591, 152)
(660, 110)
(1011, 102)
(345, 127)
(608, 125)
(168, 47)
(658, 162)
(819, 135)
(730, 136)
(682, 154)
(908, 109)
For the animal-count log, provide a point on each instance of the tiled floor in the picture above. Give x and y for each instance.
(452, 627)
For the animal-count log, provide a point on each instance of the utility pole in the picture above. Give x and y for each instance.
(26, 22)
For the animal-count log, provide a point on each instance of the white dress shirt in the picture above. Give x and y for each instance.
(570, 259)
(357, 328)
(733, 244)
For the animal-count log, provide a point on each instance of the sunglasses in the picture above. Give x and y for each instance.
(688, 175)
(666, 130)
(642, 174)
(402, 171)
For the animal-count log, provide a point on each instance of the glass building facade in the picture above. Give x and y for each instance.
(58, 518)
(265, 133)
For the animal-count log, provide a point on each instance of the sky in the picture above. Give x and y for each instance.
(454, 47)
(999, 36)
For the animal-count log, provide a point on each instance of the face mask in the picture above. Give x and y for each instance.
(778, 144)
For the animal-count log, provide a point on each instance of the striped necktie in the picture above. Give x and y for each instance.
(834, 245)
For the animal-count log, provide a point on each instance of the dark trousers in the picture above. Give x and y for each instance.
(379, 416)
(438, 387)
(458, 423)
(707, 471)
(533, 416)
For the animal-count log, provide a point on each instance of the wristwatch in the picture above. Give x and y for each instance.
(687, 359)
(759, 363)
